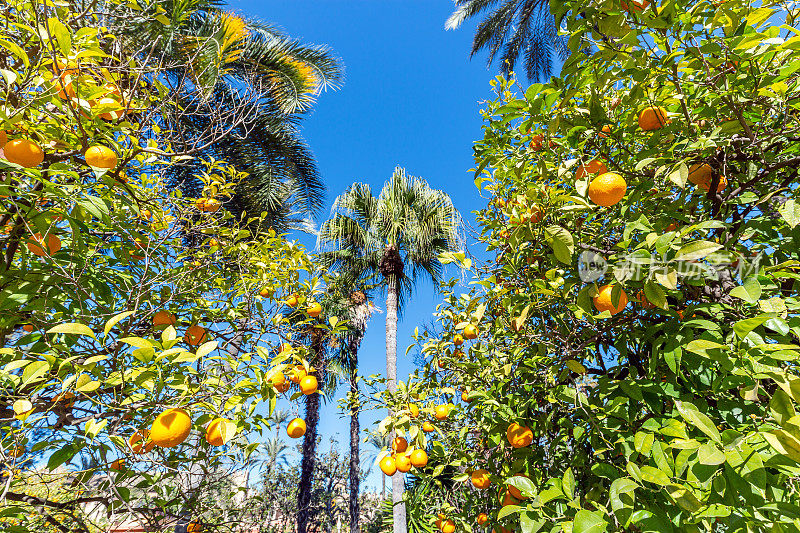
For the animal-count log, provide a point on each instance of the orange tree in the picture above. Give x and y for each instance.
(629, 360)
(136, 326)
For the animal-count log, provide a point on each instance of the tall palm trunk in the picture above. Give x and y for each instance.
(392, 269)
(355, 471)
(359, 315)
(308, 464)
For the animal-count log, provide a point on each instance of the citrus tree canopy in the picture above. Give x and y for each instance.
(629, 360)
(136, 325)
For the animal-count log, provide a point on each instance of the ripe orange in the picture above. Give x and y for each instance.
(448, 526)
(24, 153)
(195, 335)
(519, 436)
(441, 412)
(607, 189)
(266, 292)
(535, 214)
(427, 427)
(194, 527)
(605, 130)
(636, 5)
(419, 458)
(291, 301)
(118, 465)
(170, 428)
(140, 443)
(298, 373)
(214, 432)
(3, 138)
(595, 166)
(66, 399)
(700, 173)
(465, 397)
(653, 118)
(413, 410)
(314, 310)
(603, 300)
(296, 428)
(208, 205)
(642, 299)
(506, 498)
(278, 380)
(470, 332)
(722, 183)
(399, 444)
(308, 385)
(99, 156)
(28, 328)
(164, 318)
(672, 227)
(16, 452)
(458, 340)
(388, 466)
(482, 518)
(480, 479)
(514, 491)
(35, 245)
(403, 462)
(536, 142)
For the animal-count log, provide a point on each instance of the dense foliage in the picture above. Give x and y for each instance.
(119, 298)
(634, 362)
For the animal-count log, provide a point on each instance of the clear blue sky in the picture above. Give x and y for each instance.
(411, 97)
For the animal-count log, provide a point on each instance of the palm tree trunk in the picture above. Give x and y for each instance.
(359, 315)
(308, 464)
(398, 507)
(355, 471)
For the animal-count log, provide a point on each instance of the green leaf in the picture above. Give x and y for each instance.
(61, 33)
(34, 372)
(743, 327)
(72, 328)
(643, 442)
(749, 290)
(790, 212)
(588, 522)
(93, 427)
(708, 454)
(668, 279)
(508, 510)
(696, 250)
(784, 443)
(781, 407)
(654, 475)
(655, 294)
(63, 455)
(693, 416)
(562, 243)
(575, 366)
(685, 499)
(206, 348)
(622, 493)
(114, 320)
(568, 483)
(700, 346)
(16, 51)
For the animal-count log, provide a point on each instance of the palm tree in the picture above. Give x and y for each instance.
(397, 237)
(238, 89)
(378, 443)
(514, 28)
(359, 312)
